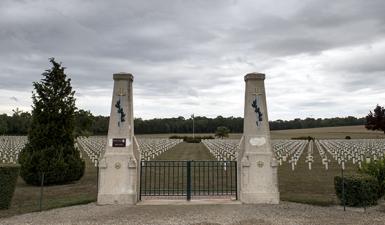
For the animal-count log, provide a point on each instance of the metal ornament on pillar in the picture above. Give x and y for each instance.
(118, 166)
(257, 166)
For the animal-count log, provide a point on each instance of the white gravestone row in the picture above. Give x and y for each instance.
(10, 147)
(356, 151)
(342, 151)
(289, 151)
(149, 147)
(222, 149)
(92, 146)
(152, 147)
(285, 150)
(227, 149)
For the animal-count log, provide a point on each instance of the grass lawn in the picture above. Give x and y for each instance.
(187, 151)
(314, 187)
(26, 197)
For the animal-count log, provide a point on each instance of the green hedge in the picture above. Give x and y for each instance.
(192, 140)
(188, 139)
(376, 169)
(8, 178)
(360, 190)
(309, 138)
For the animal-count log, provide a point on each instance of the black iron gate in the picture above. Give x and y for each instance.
(188, 178)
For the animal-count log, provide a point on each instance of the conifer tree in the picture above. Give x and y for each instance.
(50, 147)
(222, 132)
(376, 120)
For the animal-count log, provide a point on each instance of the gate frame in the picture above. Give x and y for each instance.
(187, 178)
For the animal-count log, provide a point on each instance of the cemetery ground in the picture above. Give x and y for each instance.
(301, 185)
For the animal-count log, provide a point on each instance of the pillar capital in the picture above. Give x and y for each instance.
(123, 76)
(254, 76)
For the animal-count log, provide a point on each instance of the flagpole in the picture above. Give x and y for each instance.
(193, 126)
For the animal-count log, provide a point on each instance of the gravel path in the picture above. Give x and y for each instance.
(285, 214)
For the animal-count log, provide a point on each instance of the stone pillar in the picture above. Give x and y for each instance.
(257, 166)
(119, 165)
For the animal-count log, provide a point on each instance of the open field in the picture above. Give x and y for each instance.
(314, 186)
(355, 132)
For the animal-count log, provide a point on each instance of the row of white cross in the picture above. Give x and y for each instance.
(222, 150)
(289, 151)
(355, 151)
(152, 147)
(149, 147)
(10, 147)
(342, 151)
(93, 147)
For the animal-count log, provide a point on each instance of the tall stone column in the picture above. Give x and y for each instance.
(257, 166)
(119, 165)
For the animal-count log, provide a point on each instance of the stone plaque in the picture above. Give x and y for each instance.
(118, 142)
(257, 141)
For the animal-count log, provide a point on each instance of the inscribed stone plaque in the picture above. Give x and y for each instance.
(118, 142)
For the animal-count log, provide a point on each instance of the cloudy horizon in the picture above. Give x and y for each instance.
(322, 59)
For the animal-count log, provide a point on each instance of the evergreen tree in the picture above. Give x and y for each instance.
(376, 120)
(222, 132)
(50, 147)
(83, 122)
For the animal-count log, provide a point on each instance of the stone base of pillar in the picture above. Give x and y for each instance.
(117, 199)
(118, 179)
(260, 198)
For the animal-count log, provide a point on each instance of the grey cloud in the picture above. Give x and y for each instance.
(316, 104)
(375, 82)
(359, 64)
(194, 49)
(13, 98)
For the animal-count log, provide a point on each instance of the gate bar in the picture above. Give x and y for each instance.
(188, 180)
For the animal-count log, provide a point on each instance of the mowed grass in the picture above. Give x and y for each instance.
(314, 187)
(26, 197)
(187, 151)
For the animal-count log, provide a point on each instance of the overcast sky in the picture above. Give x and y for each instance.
(321, 58)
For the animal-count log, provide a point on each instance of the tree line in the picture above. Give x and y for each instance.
(87, 124)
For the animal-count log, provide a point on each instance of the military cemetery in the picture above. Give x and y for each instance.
(192, 112)
(243, 168)
(146, 175)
